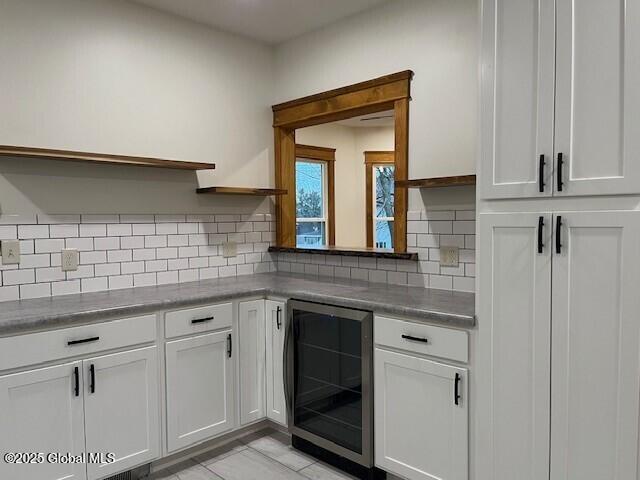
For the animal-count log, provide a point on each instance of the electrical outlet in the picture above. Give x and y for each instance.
(229, 249)
(10, 252)
(449, 256)
(69, 260)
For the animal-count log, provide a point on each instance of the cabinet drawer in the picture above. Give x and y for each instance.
(53, 345)
(420, 338)
(198, 320)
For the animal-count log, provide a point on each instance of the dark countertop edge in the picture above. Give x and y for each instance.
(67, 320)
(346, 252)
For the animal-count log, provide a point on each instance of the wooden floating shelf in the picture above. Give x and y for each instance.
(257, 192)
(103, 158)
(349, 252)
(459, 181)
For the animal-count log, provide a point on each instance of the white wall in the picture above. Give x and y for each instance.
(350, 143)
(115, 77)
(437, 39)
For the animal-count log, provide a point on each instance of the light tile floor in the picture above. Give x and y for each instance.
(265, 455)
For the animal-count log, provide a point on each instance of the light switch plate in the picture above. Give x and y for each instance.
(449, 256)
(69, 260)
(229, 249)
(10, 252)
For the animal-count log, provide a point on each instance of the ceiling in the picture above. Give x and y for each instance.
(379, 119)
(269, 21)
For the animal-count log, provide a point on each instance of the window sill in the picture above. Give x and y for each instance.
(348, 252)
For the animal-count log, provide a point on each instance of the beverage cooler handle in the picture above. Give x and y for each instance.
(286, 365)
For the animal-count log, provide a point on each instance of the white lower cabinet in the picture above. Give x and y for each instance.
(200, 388)
(121, 410)
(41, 412)
(276, 406)
(251, 339)
(421, 417)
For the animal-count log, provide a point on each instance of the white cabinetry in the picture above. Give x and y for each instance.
(578, 295)
(200, 388)
(40, 411)
(421, 405)
(559, 85)
(276, 406)
(121, 409)
(251, 334)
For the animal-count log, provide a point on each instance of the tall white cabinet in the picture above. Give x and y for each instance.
(560, 98)
(558, 273)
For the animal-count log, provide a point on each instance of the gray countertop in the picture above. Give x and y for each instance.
(437, 306)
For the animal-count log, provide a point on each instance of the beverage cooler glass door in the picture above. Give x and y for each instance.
(328, 378)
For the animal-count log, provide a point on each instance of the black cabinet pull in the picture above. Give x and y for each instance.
(201, 320)
(560, 165)
(76, 381)
(541, 174)
(92, 378)
(278, 321)
(84, 340)
(456, 389)
(559, 234)
(540, 234)
(229, 346)
(415, 339)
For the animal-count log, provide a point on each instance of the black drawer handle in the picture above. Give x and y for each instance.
(541, 174)
(456, 389)
(415, 339)
(84, 340)
(92, 378)
(229, 346)
(540, 234)
(201, 320)
(76, 380)
(278, 321)
(559, 234)
(560, 176)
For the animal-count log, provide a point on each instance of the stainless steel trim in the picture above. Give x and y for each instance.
(366, 458)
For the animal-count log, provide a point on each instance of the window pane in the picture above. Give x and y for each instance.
(384, 234)
(309, 201)
(384, 191)
(310, 234)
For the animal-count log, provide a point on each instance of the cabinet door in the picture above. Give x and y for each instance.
(513, 352)
(40, 412)
(121, 410)
(200, 399)
(251, 335)
(595, 353)
(597, 96)
(421, 426)
(517, 98)
(276, 407)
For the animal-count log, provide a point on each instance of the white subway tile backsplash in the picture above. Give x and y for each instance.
(44, 218)
(189, 275)
(119, 256)
(164, 278)
(33, 231)
(100, 218)
(94, 284)
(49, 274)
(155, 241)
(35, 261)
(18, 277)
(107, 243)
(119, 230)
(186, 228)
(95, 256)
(136, 218)
(120, 281)
(166, 228)
(155, 265)
(63, 231)
(144, 254)
(177, 240)
(8, 232)
(35, 290)
(131, 242)
(67, 287)
(107, 269)
(17, 219)
(93, 230)
(144, 228)
(132, 267)
(9, 293)
(84, 271)
(80, 244)
(144, 279)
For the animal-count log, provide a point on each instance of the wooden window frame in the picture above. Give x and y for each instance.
(391, 92)
(327, 155)
(371, 159)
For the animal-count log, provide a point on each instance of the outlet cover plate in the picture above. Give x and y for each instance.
(229, 249)
(449, 256)
(69, 260)
(10, 252)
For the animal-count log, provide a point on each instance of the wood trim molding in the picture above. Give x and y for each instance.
(327, 155)
(391, 92)
(367, 97)
(316, 153)
(379, 157)
(372, 158)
